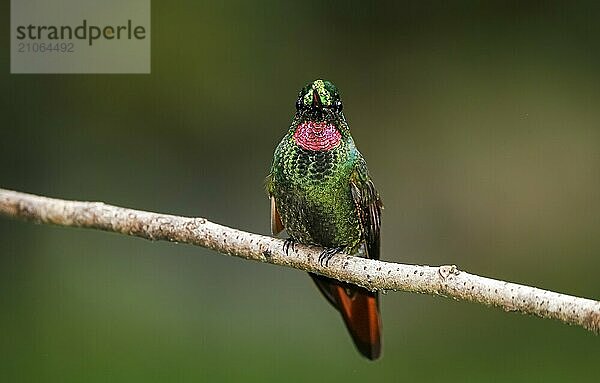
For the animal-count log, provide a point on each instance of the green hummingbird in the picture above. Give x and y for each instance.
(321, 194)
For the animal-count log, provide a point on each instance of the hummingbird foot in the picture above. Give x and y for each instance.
(327, 254)
(289, 242)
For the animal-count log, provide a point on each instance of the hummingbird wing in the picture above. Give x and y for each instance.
(276, 224)
(368, 207)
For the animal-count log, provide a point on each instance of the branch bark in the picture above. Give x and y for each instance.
(446, 280)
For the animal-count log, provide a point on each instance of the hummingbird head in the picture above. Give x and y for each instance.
(319, 100)
(319, 124)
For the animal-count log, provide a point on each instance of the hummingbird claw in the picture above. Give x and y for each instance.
(289, 242)
(326, 255)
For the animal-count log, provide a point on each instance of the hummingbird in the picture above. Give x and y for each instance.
(322, 194)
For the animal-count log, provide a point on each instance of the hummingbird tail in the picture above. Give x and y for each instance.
(359, 308)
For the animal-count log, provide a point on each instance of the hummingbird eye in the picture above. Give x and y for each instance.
(338, 105)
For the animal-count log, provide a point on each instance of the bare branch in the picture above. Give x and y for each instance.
(447, 281)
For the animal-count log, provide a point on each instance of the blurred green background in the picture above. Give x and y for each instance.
(480, 124)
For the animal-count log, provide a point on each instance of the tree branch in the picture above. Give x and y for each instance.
(447, 281)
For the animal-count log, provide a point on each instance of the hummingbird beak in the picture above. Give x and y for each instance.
(316, 100)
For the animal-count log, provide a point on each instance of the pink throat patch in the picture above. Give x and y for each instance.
(317, 136)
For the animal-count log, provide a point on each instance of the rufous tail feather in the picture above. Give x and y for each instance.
(360, 310)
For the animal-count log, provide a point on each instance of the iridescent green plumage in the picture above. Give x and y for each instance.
(322, 195)
(326, 197)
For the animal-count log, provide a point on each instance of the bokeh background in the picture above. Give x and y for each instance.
(480, 124)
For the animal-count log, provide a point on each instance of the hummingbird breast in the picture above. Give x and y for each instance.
(312, 188)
